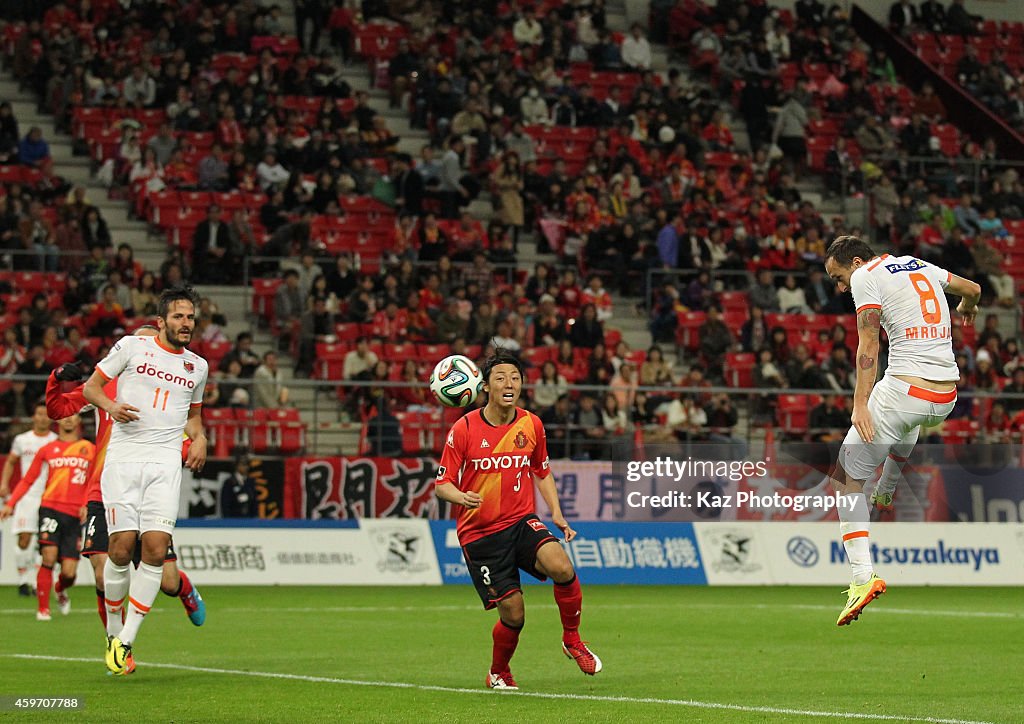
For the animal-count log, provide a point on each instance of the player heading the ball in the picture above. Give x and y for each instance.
(488, 466)
(906, 297)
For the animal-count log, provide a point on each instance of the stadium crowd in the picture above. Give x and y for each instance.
(241, 141)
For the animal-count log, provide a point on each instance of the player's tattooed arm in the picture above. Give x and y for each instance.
(869, 322)
(869, 319)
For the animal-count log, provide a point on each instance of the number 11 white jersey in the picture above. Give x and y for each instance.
(164, 385)
(910, 294)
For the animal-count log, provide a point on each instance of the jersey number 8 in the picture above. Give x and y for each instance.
(927, 295)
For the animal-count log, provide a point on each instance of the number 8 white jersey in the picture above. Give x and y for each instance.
(910, 294)
(164, 385)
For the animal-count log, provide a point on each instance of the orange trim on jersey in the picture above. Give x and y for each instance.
(862, 307)
(931, 395)
(145, 609)
(949, 277)
(105, 378)
(855, 534)
(880, 260)
(166, 349)
(196, 404)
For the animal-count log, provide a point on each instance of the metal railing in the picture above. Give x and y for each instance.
(330, 408)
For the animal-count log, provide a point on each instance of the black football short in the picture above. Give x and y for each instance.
(494, 560)
(96, 537)
(61, 530)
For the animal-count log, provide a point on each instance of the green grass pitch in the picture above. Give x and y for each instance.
(676, 654)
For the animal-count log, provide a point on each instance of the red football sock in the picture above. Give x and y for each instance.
(185, 587)
(63, 583)
(44, 581)
(100, 607)
(506, 639)
(569, 598)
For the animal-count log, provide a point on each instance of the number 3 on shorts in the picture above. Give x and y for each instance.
(486, 573)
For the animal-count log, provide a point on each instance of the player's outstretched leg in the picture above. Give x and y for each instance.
(552, 561)
(177, 584)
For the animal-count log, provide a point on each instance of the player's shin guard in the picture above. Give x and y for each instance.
(115, 584)
(101, 606)
(854, 526)
(44, 582)
(506, 638)
(569, 598)
(145, 586)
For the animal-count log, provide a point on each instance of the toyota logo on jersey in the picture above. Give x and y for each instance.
(501, 462)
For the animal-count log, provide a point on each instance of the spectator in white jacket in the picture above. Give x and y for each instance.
(270, 172)
(636, 51)
(534, 108)
(527, 31)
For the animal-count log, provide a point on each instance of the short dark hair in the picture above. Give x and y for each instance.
(501, 357)
(169, 296)
(845, 248)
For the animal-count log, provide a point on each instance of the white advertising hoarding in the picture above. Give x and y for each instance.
(911, 554)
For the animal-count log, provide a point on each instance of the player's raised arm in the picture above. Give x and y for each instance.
(64, 404)
(970, 292)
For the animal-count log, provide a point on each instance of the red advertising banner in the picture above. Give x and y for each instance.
(338, 488)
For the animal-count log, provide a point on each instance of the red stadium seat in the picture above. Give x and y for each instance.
(739, 369)
(686, 330)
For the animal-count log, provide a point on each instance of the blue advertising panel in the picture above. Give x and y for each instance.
(604, 552)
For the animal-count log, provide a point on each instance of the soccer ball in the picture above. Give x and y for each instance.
(456, 381)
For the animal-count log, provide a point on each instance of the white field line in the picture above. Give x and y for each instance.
(687, 703)
(877, 609)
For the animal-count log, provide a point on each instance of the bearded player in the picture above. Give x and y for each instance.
(488, 468)
(174, 582)
(906, 297)
(26, 515)
(67, 461)
(159, 398)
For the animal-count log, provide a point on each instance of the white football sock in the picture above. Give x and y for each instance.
(115, 590)
(854, 525)
(892, 471)
(145, 586)
(24, 560)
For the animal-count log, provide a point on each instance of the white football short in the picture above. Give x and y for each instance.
(26, 515)
(898, 411)
(141, 496)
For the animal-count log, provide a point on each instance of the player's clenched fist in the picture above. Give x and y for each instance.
(6, 512)
(471, 499)
(123, 412)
